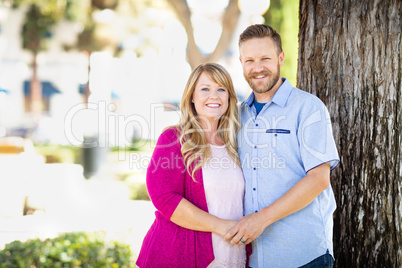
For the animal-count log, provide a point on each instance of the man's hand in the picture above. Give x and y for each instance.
(247, 229)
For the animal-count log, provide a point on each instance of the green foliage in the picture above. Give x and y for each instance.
(283, 16)
(138, 145)
(75, 10)
(59, 153)
(41, 17)
(136, 184)
(36, 28)
(88, 40)
(68, 250)
(103, 4)
(138, 191)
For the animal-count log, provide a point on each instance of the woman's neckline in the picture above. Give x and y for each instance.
(217, 146)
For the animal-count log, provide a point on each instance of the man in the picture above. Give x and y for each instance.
(287, 151)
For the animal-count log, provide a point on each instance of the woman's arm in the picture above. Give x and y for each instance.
(189, 216)
(165, 183)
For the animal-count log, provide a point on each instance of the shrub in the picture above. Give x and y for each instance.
(59, 153)
(68, 250)
(138, 191)
(135, 181)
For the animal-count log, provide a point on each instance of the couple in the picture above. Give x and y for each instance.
(285, 149)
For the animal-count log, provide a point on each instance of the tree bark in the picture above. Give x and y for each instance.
(35, 89)
(350, 57)
(229, 23)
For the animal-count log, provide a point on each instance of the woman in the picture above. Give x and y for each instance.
(194, 179)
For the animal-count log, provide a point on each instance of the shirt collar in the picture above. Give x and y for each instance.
(281, 96)
(249, 101)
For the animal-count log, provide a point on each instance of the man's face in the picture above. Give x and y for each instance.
(261, 64)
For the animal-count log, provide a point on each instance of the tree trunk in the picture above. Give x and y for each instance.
(36, 89)
(350, 57)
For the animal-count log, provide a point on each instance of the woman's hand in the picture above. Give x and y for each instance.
(224, 226)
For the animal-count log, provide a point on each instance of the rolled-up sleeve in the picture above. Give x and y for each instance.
(317, 145)
(166, 174)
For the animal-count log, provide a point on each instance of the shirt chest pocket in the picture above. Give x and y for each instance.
(278, 137)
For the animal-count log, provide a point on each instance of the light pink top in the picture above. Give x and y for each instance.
(224, 191)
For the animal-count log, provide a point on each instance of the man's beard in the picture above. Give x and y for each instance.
(272, 80)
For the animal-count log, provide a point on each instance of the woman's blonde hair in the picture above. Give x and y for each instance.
(194, 145)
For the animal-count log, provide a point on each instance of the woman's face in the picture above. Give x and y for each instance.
(211, 100)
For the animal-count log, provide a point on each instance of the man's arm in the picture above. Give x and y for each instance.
(298, 197)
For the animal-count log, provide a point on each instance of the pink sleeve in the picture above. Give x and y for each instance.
(166, 174)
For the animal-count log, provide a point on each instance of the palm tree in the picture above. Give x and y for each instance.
(36, 31)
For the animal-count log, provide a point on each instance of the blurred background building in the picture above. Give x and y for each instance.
(133, 56)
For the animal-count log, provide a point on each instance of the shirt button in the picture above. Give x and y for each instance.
(256, 125)
(254, 168)
(253, 189)
(255, 146)
(256, 211)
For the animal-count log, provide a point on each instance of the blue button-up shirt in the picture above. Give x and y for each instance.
(291, 135)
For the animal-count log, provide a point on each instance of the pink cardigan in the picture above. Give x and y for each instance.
(167, 244)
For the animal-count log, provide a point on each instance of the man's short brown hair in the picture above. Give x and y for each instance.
(261, 31)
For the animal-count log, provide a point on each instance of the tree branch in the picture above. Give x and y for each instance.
(184, 15)
(229, 23)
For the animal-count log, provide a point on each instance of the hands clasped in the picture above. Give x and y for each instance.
(246, 230)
